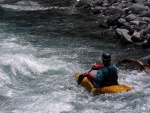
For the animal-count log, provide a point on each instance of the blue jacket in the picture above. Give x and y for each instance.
(106, 76)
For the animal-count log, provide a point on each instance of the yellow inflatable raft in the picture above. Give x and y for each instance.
(107, 89)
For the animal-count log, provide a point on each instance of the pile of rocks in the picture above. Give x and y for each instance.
(129, 18)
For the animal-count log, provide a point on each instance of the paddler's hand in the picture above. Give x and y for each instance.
(86, 73)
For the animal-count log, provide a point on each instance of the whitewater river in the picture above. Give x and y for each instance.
(42, 47)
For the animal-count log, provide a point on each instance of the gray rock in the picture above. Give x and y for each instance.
(112, 19)
(117, 10)
(82, 4)
(147, 30)
(121, 20)
(147, 4)
(146, 43)
(108, 32)
(145, 14)
(138, 1)
(110, 2)
(121, 31)
(136, 37)
(137, 8)
(102, 23)
(142, 25)
(134, 22)
(130, 17)
(98, 9)
(125, 38)
(126, 25)
(146, 19)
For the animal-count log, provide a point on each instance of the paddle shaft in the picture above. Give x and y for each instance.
(90, 70)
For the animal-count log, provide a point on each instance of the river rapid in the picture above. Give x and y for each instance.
(44, 45)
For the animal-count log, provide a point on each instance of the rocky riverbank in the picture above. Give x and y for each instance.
(129, 20)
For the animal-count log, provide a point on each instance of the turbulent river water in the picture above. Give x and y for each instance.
(43, 46)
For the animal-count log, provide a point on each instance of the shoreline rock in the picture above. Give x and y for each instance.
(123, 15)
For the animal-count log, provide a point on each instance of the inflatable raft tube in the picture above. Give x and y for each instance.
(107, 89)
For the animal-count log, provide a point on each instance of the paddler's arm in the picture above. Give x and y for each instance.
(97, 66)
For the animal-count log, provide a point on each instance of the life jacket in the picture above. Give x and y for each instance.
(110, 78)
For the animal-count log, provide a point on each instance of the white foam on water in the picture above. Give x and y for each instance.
(25, 64)
(4, 79)
(57, 91)
(29, 6)
(23, 6)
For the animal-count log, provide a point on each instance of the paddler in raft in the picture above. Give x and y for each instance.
(107, 73)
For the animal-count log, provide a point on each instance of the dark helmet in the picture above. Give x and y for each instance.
(106, 57)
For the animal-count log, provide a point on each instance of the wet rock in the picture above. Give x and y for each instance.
(117, 10)
(146, 19)
(147, 30)
(102, 23)
(145, 14)
(126, 25)
(134, 22)
(108, 32)
(142, 25)
(146, 43)
(125, 38)
(82, 4)
(133, 1)
(147, 4)
(137, 8)
(97, 3)
(110, 2)
(98, 9)
(119, 32)
(130, 17)
(136, 37)
(138, 1)
(112, 19)
(120, 22)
